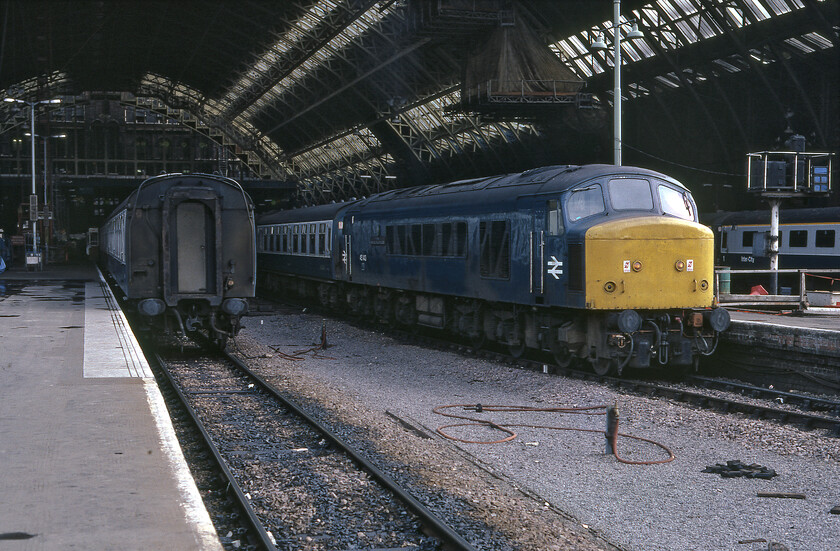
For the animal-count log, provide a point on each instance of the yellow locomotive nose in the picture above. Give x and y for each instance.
(649, 263)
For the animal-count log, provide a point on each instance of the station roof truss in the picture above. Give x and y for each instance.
(352, 97)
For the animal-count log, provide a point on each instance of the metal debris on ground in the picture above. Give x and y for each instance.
(734, 469)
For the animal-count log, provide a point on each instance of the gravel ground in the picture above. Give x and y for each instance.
(557, 489)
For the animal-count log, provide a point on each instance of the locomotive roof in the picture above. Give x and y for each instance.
(502, 188)
(786, 216)
(561, 177)
(506, 187)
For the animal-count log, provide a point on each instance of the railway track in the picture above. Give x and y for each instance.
(805, 411)
(301, 485)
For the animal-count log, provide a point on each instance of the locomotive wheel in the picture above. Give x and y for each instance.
(221, 341)
(517, 347)
(562, 355)
(383, 308)
(604, 366)
(517, 350)
(478, 336)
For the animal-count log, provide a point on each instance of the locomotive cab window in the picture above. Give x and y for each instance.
(584, 202)
(630, 194)
(676, 203)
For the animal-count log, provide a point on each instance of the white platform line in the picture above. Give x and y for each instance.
(110, 348)
(192, 504)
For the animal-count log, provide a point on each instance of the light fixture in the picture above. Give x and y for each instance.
(601, 45)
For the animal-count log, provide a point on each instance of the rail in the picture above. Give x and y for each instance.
(804, 299)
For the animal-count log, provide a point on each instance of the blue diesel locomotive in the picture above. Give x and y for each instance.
(602, 263)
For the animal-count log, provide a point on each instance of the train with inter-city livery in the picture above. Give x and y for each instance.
(809, 238)
(600, 263)
(181, 250)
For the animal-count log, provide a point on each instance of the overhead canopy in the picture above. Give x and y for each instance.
(349, 97)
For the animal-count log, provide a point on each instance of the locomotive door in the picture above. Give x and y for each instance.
(554, 267)
(536, 253)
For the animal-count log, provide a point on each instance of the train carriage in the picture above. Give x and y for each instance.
(181, 249)
(602, 263)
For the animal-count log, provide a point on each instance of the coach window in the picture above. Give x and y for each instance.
(322, 236)
(747, 239)
(798, 239)
(585, 202)
(296, 239)
(824, 239)
(312, 239)
(555, 218)
(630, 194)
(285, 241)
(676, 203)
(328, 239)
(265, 239)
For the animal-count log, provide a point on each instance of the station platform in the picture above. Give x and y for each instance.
(819, 334)
(88, 453)
(799, 350)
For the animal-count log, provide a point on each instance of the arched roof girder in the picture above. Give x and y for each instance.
(260, 153)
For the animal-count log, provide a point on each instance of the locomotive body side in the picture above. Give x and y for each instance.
(585, 262)
(184, 245)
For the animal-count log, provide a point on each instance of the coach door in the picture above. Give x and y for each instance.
(190, 245)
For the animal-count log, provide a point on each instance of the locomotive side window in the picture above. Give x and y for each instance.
(555, 218)
(448, 247)
(391, 243)
(415, 240)
(429, 240)
(447, 239)
(585, 202)
(461, 239)
(630, 194)
(798, 238)
(824, 239)
(676, 203)
(494, 238)
(747, 239)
